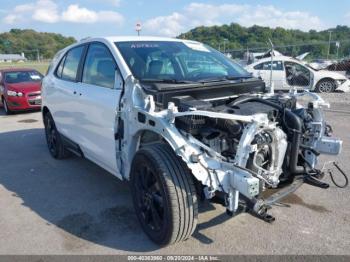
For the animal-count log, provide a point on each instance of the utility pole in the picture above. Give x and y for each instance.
(329, 43)
(38, 55)
(225, 40)
(337, 44)
(272, 88)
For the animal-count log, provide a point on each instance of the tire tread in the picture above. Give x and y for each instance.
(181, 191)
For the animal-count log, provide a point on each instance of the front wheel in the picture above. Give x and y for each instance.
(326, 86)
(163, 194)
(6, 108)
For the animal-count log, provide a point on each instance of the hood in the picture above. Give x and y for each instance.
(25, 87)
(334, 75)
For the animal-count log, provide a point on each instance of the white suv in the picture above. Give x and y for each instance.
(181, 122)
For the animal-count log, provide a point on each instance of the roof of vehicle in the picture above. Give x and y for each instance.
(16, 69)
(277, 58)
(136, 39)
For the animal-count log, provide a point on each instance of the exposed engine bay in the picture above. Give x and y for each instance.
(239, 146)
(277, 152)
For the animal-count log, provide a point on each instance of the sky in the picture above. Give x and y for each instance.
(87, 18)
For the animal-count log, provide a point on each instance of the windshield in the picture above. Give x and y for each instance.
(311, 67)
(178, 61)
(22, 76)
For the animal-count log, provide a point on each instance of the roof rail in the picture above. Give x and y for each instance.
(85, 38)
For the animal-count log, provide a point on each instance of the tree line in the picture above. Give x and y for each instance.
(294, 42)
(33, 43)
(231, 37)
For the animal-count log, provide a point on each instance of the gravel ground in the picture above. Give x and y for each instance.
(335, 98)
(75, 207)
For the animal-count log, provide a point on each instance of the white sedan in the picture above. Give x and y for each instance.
(288, 72)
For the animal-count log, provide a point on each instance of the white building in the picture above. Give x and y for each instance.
(12, 58)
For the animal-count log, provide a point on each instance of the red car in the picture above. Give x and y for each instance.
(20, 89)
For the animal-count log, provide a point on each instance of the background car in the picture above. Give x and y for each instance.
(288, 72)
(319, 64)
(341, 67)
(20, 89)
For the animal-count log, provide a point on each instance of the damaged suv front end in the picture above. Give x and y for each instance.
(237, 138)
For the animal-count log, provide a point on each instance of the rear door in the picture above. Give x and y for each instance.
(277, 77)
(98, 102)
(61, 92)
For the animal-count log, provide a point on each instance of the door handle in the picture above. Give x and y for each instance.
(75, 93)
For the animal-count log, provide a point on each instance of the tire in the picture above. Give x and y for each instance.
(326, 86)
(164, 195)
(53, 138)
(6, 108)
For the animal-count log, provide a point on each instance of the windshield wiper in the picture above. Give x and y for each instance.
(166, 80)
(221, 79)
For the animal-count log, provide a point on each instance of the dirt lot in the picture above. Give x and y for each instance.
(75, 207)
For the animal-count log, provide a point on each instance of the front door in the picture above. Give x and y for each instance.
(99, 94)
(297, 75)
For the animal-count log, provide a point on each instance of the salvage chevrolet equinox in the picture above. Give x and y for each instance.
(182, 122)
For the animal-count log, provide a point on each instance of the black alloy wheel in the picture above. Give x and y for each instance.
(164, 195)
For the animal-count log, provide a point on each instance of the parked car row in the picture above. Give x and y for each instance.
(20, 89)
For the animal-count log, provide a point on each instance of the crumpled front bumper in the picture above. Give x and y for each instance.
(344, 87)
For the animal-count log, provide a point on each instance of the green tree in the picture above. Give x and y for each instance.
(30, 42)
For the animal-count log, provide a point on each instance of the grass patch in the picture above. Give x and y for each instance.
(39, 66)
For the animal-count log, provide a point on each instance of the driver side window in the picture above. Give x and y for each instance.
(297, 74)
(100, 67)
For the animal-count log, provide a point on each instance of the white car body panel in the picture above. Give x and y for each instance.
(95, 123)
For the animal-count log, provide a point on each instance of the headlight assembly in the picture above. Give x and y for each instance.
(341, 81)
(14, 93)
(11, 93)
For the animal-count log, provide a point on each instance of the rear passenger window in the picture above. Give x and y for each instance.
(258, 66)
(100, 67)
(71, 64)
(277, 65)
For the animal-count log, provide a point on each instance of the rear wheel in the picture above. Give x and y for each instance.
(54, 139)
(163, 194)
(326, 86)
